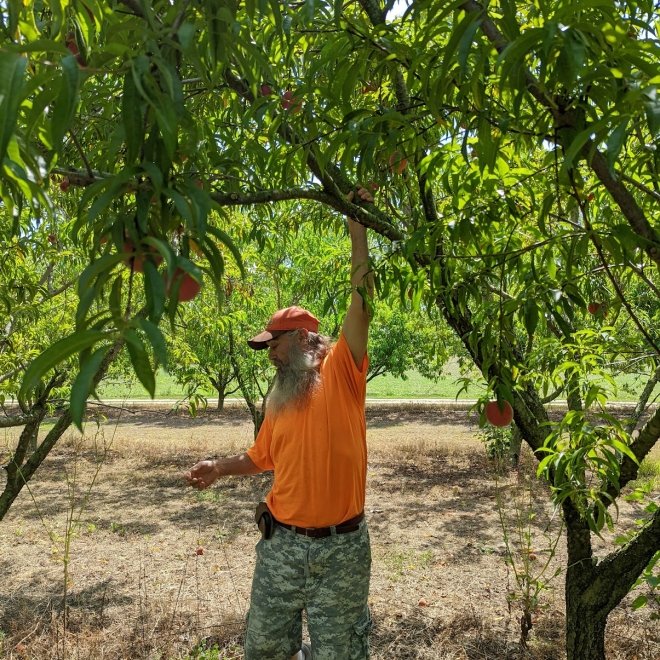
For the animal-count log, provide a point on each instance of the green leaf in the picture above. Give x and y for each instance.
(163, 247)
(110, 188)
(154, 290)
(624, 449)
(114, 301)
(652, 106)
(156, 339)
(615, 142)
(67, 99)
(131, 112)
(86, 300)
(140, 361)
(571, 57)
(545, 464)
(167, 123)
(215, 259)
(573, 150)
(640, 601)
(12, 70)
(465, 45)
(454, 43)
(56, 354)
(224, 238)
(103, 264)
(82, 386)
(513, 56)
(530, 316)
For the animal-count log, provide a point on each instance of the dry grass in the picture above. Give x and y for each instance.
(136, 587)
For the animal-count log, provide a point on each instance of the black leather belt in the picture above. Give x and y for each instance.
(351, 525)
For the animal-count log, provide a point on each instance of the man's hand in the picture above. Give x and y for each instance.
(358, 196)
(362, 194)
(204, 473)
(201, 475)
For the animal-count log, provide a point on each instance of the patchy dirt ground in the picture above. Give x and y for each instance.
(152, 569)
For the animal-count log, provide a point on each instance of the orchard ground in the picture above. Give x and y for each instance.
(152, 569)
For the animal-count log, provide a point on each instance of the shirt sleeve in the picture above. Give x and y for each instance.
(259, 453)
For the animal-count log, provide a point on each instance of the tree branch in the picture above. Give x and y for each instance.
(640, 447)
(79, 148)
(626, 202)
(640, 186)
(335, 185)
(10, 421)
(10, 374)
(616, 574)
(366, 214)
(595, 159)
(643, 400)
(134, 6)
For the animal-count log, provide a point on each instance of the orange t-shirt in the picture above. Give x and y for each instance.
(319, 452)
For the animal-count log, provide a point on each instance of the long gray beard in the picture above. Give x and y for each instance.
(294, 382)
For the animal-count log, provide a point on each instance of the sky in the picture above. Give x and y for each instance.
(399, 7)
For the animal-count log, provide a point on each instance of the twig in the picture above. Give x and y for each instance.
(109, 405)
(641, 186)
(88, 167)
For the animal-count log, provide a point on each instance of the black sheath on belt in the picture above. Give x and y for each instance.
(264, 519)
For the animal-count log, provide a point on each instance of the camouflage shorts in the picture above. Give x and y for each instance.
(327, 577)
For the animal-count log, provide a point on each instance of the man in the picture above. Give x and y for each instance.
(314, 554)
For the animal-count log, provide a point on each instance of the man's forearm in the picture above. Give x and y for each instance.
(361, 276)
(235, 465)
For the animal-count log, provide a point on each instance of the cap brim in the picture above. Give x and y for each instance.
(259, 342)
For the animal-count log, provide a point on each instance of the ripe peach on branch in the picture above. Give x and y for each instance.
(188, 286)
(499, 413)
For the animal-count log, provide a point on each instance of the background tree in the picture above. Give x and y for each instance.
(200, 351)
(37, 278)
(402, 340)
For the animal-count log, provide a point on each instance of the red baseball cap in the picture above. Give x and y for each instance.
(284, 320)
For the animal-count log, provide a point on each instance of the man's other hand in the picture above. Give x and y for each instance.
(201, 475)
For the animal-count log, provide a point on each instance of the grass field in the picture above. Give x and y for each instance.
(415, 386)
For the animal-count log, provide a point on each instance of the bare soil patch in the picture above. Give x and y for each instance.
(156, 570)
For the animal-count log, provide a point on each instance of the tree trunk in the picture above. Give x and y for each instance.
(15, 476)
(19, 470)
(594, 589)
(19, 473)
(220, 384)
(585, 629)
(250, 399)
(643, 400)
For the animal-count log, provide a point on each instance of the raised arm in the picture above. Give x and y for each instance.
(356, 323)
